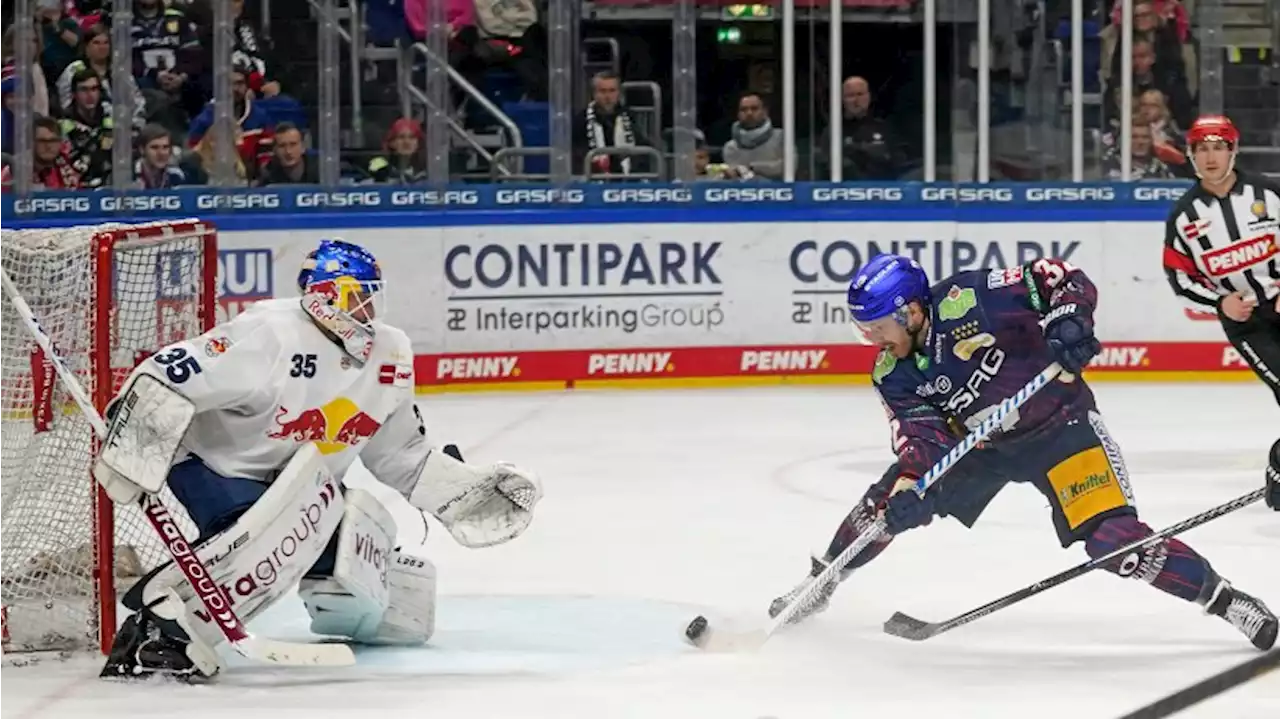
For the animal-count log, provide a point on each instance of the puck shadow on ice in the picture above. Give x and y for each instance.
(487, 635)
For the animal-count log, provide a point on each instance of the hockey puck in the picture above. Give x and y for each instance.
(696, 628)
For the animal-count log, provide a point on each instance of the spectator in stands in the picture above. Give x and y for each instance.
(1166, 60)
(403, 161)
(490, 34)
(61, 44)
(255, 127)
(87, 126)
(155, 169)
(1168, 140)
(96, 54)
(39, 96)
(871, 148)
(1145, 165)
(51, 167)
(1148, 74)
(198, 164)
(756, 147)
(606, 122)
(247, 50)
(167, 61)
(290, 164)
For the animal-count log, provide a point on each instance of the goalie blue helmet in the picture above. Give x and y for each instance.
(884, 286)
(341, 287)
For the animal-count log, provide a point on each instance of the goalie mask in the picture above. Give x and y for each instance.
(341, 287)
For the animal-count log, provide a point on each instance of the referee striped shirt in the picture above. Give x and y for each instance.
(1214, 246)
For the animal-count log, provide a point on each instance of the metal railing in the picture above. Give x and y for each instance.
(659, 171)
(514, 136)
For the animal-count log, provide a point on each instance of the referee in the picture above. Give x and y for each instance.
(1221, 247)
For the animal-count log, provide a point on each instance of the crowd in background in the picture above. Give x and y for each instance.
(172, 111)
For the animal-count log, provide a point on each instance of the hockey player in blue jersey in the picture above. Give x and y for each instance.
(949, 355)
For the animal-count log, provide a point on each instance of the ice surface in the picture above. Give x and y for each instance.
(663, 505)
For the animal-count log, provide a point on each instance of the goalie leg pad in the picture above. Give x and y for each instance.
(352, 601)
(148, 422)
(265, 551)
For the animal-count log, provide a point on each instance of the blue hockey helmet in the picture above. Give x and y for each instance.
(341, 287)
(884, 286)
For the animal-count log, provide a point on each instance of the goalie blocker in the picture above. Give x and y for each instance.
(259, 541)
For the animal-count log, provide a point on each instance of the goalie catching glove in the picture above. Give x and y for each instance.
(480, 506)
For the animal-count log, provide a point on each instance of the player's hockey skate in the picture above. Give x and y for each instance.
(1246, 613)
(815, 604)
(147, 645)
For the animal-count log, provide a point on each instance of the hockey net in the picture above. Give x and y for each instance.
(108, 296)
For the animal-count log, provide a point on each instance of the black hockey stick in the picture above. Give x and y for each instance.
(908, 627)
(1208, 687)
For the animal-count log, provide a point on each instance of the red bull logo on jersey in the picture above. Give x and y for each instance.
(333, 427)
(1241, 255)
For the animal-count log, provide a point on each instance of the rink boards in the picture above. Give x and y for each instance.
(502, 286)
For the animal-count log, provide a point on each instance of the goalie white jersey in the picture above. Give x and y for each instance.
(270, 379)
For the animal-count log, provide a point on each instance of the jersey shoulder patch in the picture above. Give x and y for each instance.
(885, 364)
(1005, 277)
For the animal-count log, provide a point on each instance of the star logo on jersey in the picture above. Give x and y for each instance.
(957, 303)
(333, 427)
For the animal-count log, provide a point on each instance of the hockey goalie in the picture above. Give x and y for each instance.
(252, 426)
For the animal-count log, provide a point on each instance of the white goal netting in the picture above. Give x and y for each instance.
(108, 296)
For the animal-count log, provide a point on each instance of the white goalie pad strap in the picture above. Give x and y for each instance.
(480, 506)
(261, 557)
(145, 436)
(351, 603)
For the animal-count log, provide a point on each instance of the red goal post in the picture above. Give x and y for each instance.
(108, 296)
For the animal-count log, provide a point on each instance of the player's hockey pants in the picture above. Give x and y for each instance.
(1079, 470)
(1258, 342)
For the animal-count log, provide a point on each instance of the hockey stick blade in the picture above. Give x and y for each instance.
(215, 599)
(908, 627)
(1209, 687)
(815, 583)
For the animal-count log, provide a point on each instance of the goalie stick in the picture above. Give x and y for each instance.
(1209, 687)
(703, 636)
(908, 627)
(214, 597)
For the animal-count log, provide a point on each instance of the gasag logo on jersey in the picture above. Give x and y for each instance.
(1240, 255)
(782, 360)
(499, 367)
(629, 363)
(987, 369)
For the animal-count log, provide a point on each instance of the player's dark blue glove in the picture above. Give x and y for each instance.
(906, 509)
(1069, 330)
(1273, 477)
